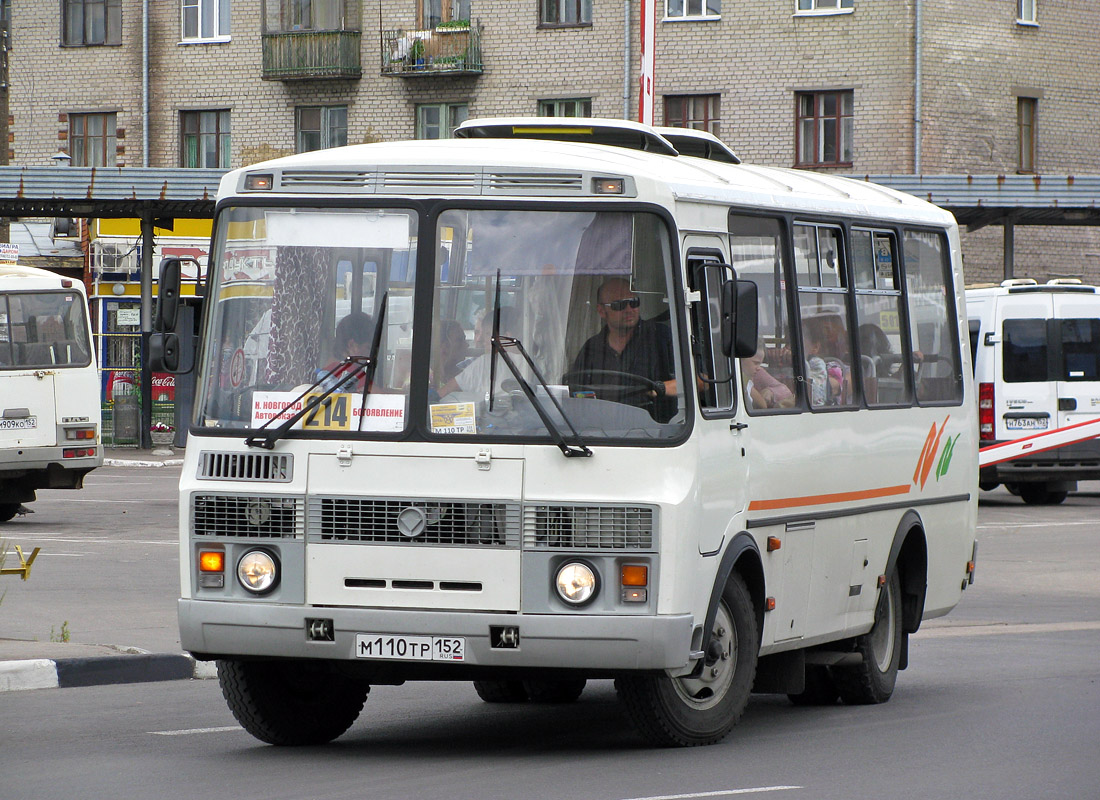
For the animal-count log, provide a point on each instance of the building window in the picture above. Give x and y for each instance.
(699, 111)
(824, 129)
(1026, 108)
(85, 22)
(1027, 12)
(578, 107)
(565, 12)
(92, 140)
(204, 139)
(439, 120)
(824, 6)
(687, 9)
(205, 19)
(436, 12)
(321, 126)
(310, 15)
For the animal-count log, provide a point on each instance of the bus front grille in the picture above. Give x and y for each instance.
(253, 517)
(588, 527)
(268, 467)
(413, 522)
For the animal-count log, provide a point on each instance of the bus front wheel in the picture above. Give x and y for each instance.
(703, 707)
(291, 703)
(872, 681)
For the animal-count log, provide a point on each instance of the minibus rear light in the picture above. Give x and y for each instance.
(79, 433)
(77, 452)
(985, 411)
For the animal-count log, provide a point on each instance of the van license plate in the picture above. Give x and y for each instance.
(410, 648)
(1027, 424)
(24, 424)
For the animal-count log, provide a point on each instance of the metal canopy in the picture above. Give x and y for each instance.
(106, 192)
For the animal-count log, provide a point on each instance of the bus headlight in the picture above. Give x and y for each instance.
(577, 583)
(258, 571)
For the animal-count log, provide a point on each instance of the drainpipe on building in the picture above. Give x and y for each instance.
(626, 59)
(918, 99)
(145, 83)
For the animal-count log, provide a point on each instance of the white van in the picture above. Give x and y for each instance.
(1036, 355)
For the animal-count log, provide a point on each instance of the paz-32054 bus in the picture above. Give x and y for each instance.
(553, 402)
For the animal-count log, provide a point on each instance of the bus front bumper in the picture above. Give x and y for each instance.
(213, 629)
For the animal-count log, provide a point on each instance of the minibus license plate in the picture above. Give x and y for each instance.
(22, 424)
(410, 648)
(1026, 424)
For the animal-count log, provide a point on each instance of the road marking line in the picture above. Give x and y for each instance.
(719, 793)
(197, 730)
(1001, 628)
(1013, 525)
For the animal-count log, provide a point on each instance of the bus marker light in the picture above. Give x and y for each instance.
(769, 604)
(774, 543)
(255, 182)
(634, 595)
(635, 575)
(608, 186)
(881, 580)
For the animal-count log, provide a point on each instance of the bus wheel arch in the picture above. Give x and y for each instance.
(909, 559)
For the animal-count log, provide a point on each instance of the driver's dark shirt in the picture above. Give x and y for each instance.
(647, 354)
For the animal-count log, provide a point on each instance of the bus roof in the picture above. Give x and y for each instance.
(511, 167)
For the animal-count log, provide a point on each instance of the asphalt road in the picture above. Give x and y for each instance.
(1001, 699)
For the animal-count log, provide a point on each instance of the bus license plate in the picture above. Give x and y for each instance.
(23, 424)
(410, 648)
(1026, 424)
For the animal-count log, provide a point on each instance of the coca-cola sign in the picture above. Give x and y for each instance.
(164, 387)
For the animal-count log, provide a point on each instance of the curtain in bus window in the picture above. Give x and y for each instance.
(937, 374)
(1080, 349)
(294, 347)
(1025, 352)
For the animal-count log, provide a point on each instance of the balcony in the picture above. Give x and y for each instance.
(447, 50)
(311, 55)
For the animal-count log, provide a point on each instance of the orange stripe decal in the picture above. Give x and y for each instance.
(824, 499)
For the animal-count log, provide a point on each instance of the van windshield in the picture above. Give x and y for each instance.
(43, 329)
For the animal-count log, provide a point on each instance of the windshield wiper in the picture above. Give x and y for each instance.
(361, 365)
(499, 343)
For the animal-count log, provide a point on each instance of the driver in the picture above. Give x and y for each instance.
(628, 345)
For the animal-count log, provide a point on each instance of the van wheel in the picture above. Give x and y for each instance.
(291, 703)
(1037, 494)
(554, 691)
(8, 510)
(501, 691)
(988, 486)
(873, 680)
(696, 710)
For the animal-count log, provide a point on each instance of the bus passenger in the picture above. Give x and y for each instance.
(763, 389)
(473, 373)
(627, 346)
(354, 335)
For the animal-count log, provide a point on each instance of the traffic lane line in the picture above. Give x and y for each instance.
(1004, 628)
(719, 793)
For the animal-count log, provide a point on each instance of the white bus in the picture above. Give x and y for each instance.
(608, 412)
(49, 386)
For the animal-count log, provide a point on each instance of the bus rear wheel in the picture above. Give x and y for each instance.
(701, 708)
(291, 703)
(872, 681)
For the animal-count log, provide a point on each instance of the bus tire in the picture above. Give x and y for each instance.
(872, 681)
(8, 510)
(565, 691)
(501, 691)
(291, 703)
(820, 689)
(690, 711)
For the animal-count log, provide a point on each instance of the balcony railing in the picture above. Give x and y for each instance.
(311, 55)
(438, 51)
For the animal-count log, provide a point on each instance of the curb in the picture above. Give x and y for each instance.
(63, 673)
(126, 462)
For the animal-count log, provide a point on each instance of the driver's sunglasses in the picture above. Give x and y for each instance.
(619, 305)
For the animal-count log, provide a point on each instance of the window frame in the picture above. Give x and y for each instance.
(686, 15)
(1027, 139)
(108, 136)
(711, 120)
(325, 130)
(447, 119)
(84, 9)
(582, 8)
(1027, 12)
(584, 103)
(814, 8)
(845, 127)
(221, 114)
(220, 11)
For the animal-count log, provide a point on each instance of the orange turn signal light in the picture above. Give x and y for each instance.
(212, 561)
(635, 575)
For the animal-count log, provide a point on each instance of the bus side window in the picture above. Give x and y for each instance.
(878, 315)
(937, 371)
(768, 378)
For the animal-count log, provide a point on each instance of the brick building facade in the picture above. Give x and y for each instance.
(1005, 86)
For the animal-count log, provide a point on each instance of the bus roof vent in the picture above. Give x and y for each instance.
(1019, 282)
(450, 182)
(1064, 282)
(588, 130)
(700, 144)
(303, 180)
(541, 182)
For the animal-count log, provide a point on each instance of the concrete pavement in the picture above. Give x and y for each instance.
(49, 665)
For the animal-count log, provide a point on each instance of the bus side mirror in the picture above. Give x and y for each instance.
(168, 296)
(164, 352)
(739, 320)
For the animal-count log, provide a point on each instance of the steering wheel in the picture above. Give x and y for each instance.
(629, 385)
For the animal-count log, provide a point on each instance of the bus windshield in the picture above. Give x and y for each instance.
(580, 303)
(582, 299)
